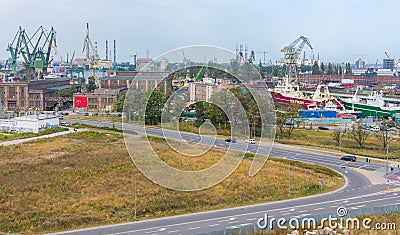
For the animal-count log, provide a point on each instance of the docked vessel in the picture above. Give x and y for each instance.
(372, 105)
(289, 93)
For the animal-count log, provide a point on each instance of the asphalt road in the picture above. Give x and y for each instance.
(358, 193)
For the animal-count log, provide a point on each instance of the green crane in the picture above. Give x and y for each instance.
(198, 74)
(35, 51)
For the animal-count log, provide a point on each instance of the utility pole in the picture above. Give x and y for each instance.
(134, 178)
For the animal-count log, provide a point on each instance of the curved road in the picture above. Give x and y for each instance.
(357, 193)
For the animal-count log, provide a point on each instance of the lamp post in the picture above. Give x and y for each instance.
(134, 179)
(288, 177)
(387, 160)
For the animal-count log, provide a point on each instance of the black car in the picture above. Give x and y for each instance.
(233, 140)
(350, 158)
(323, 128)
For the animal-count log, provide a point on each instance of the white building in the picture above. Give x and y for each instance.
(30, 123)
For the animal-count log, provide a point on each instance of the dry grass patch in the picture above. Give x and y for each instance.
(90, 182)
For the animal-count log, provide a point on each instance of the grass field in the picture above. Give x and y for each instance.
(86, 178)
(6, 136)
(323, 139)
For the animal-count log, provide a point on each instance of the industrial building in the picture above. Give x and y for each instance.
(142, 81)
(101, 100)
(37, 94)
(30, 123)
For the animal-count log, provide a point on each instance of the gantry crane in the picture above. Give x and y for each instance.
(291, 55)
(92, 56)
(34, 50)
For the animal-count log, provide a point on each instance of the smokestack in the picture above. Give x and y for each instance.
(245, 52)
(106, 50)
(115, 52)
(237, 52)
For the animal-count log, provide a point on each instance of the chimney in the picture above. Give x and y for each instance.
(106, 50)
(115, 52)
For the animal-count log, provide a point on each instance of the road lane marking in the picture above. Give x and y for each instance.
(173, 231)
(213, 225)
(194, 228)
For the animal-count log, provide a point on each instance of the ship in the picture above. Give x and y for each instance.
(372, 105)
(289, 93)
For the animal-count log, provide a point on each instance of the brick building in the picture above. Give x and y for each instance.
(38, 94)
(101, 100)
(142, 81)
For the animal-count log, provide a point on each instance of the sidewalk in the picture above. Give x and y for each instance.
(20, 141)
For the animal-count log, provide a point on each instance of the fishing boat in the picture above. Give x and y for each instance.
(289, 93)
(372, 105)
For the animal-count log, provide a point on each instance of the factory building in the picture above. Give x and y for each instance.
(101, 100)
(38, 94)
(30, 123)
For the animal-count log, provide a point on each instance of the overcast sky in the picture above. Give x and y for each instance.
(339, 30)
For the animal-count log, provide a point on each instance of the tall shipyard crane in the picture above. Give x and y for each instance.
(92, 56)
(291, 55)
(35, 51)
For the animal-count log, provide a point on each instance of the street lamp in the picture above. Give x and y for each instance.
(288, 177)
(134, 178)
(387, 159)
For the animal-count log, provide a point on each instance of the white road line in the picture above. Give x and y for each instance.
(317, 209)
(257, 212)
(173, 231)
(256, 218)
(194, 228)
(245, 224)
(231, 227)
(213, 225)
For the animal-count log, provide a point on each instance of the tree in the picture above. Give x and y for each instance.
(154, 107)
(337, 136)
(119, 105)
(384, 134)
(359, 134)
(348, 69)
(315, 68)
(322, 68)
(330, 70)
(91, 86)
(67, 93)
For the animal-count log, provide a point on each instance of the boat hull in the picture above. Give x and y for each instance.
(368, 110)
(282, 99)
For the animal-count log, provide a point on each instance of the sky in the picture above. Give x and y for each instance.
(339, 30)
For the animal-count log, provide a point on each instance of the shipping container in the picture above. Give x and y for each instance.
(317, 113)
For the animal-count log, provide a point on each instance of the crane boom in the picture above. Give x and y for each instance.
(291, 55)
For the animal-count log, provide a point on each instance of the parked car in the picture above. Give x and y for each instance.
(323, 128)
(350, 158)
(86, 114)
(64, 124)
(230, 140)
(375, 128)
(250, 141)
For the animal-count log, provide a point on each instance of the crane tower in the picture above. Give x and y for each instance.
(291, 55)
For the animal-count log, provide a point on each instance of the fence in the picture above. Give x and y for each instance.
(381, 210)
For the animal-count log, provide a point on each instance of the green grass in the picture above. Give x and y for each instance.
(6, 136)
